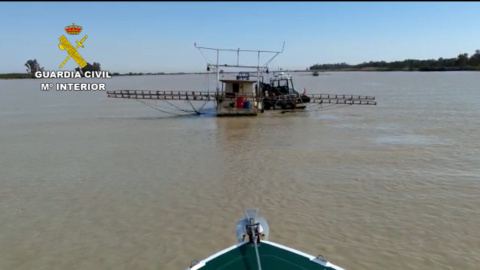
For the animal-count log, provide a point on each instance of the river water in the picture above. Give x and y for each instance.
(88, 182)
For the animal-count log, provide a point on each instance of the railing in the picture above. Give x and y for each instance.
(210, 96)
(329, 96)
(162, 95)
(344, 101)
(234, 96)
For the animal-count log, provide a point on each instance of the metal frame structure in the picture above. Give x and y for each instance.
(216, 66)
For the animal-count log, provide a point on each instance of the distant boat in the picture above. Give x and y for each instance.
(315, 73)
(257, 254)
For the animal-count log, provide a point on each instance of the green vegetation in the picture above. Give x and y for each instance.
(150, 73)
(136, 74)
(462, 62)
(16, 76)
(89, 67)
(32, 67)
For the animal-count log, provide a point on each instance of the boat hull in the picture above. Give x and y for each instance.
(225, 112)
(273, 256)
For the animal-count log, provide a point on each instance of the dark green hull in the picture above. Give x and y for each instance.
(272, 257)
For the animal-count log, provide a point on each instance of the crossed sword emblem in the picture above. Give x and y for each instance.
(72, 52)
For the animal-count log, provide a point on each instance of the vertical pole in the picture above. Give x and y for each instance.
(218, 80)
(258, 65)
(255, 236)
(257, 95)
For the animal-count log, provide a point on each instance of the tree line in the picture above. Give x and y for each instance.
(34, 66)
(461, 62)
(89, 67)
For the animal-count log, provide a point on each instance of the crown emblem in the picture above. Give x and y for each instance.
(73, 29)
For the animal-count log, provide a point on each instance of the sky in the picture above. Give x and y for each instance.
(159, 36)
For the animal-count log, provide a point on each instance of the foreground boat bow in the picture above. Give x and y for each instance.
(253, 253)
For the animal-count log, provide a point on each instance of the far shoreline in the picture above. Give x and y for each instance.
(10, 76)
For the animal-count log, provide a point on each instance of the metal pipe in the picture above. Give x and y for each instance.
(218, 78)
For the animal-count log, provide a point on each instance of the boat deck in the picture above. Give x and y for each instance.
(272, 256)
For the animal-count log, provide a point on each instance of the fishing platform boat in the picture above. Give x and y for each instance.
(254, 251)
(246, 94)
(239, 96)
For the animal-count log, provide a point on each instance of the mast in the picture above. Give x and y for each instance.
(218, 50)
(218, 77)
(259, 68)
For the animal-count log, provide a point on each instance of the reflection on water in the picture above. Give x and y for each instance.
(409, 139)
(94, 183)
